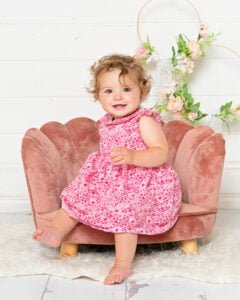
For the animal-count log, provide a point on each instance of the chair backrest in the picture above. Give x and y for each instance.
(197, 154)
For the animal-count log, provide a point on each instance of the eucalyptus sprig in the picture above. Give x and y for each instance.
(228, 114)
(225, 112)
(207, 41)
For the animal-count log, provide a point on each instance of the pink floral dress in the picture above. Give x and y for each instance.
(123, 198)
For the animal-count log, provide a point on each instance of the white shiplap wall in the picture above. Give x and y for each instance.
(47, 48)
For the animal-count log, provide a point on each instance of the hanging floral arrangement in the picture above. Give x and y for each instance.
(175, 96)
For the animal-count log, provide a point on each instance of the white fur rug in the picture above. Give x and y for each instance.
(217, 262)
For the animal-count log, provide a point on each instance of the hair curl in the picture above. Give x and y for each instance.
(128, 66)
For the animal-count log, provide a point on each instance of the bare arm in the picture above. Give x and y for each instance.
(155, 140)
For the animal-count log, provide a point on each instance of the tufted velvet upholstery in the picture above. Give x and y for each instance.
(53, 154)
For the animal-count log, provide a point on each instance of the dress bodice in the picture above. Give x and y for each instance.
(124, 132)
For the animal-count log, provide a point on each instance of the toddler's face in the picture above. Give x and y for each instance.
(118, 98)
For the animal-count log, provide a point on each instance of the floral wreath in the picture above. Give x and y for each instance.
(175, 97)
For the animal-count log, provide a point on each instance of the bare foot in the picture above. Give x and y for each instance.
(49, 236)
(118, 274)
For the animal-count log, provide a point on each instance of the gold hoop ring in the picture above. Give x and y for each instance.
(149, 1)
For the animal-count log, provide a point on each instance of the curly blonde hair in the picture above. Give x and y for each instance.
(128, 65)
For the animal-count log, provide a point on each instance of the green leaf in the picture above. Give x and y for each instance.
(148, 46)
(225, 111)
(173, 59)
(182, 46)
(195, 107)
(160, 107)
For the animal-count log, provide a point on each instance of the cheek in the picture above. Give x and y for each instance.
(105, 103)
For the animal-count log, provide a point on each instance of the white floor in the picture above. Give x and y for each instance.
(46, 287)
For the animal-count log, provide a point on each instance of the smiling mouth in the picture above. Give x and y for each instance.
(119, 106)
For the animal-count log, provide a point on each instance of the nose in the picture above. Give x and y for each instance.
(117, 95)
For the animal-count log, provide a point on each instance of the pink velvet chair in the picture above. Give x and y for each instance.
(53, 154)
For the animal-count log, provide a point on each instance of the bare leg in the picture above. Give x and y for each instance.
(125, 247)
(61, 225)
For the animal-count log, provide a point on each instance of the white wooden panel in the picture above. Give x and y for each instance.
(90, 41)
(17, 11)
(218, 77)
(12, 182)
(70, 11)
(230, 182)
(10, 150)
(9, 204)
(179, 10)
(229, 201)
(65, 41)
(232, 143)
(27, 79)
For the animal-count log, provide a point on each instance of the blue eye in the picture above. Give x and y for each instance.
(127, 89)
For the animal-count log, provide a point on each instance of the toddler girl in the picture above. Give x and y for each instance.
(127, 187)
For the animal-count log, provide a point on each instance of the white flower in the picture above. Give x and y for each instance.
(184, 64)
(192, 116)
(170, 88)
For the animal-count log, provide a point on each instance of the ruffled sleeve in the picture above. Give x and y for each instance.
(149, 112)
(102, 121)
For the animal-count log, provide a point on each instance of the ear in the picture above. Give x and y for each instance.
(143, 96)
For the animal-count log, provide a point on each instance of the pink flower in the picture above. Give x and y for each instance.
(192, 116)
(175, 104)
(194, 48)
(141, 52)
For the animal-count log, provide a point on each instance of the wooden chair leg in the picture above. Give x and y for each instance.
(189, 246)
(68, 249)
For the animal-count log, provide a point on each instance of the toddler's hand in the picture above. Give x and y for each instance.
(121, 156)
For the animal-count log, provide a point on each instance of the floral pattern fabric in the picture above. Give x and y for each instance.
(123, 198)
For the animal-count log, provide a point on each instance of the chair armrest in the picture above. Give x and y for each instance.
(43, 170)
(199, 162)
(52, 156)
(175, 132)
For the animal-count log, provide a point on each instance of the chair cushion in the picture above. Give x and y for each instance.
(194, 210)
